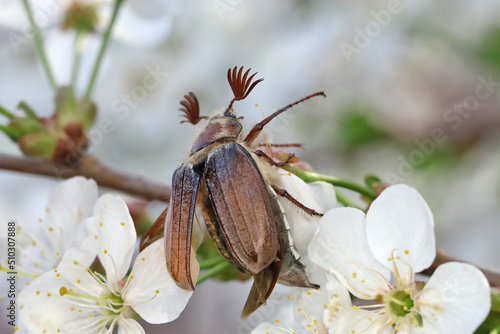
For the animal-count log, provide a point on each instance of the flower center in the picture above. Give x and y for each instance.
(399, 303)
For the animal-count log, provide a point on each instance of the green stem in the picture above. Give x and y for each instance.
(309, 177)
(37, 36)
(77, 57)
(14, 134)
(27, 110)
(211, 262)
(346, 201)
(213, 271)
(6, 113)
(104, 44)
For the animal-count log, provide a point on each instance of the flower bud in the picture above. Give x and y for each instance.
(38, 144)
(80, 16)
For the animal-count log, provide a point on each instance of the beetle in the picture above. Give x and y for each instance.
(232, 182)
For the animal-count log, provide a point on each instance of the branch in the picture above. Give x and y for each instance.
(493, 275)
(90, 167)
(105, 176)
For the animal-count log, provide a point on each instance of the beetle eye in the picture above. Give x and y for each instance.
(241, 86)
(191, 109)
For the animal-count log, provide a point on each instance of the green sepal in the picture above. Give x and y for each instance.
(38, 144)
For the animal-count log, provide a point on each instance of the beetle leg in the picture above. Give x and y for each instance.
(155, 232)
(290, 159)
(259, 126)
(282, 192)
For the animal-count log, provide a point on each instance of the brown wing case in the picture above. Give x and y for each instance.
(179, 224)
(240, 201)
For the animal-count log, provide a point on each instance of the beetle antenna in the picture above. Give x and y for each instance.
(241, 86)
(191, 109)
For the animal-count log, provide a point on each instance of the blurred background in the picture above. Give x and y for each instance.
(413, 92)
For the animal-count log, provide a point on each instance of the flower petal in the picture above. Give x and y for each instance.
(302, 225)
(311, 304)
(341, 320)
(341, 246)
(400, 224)
(43, 310)
(70, 202)
(116, 236)
(129, 326)
(456, 299)
(152, 293)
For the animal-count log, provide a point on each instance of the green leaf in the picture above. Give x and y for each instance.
(489, 48)
(357, 129)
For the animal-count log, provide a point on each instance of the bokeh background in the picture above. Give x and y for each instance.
(413, 92)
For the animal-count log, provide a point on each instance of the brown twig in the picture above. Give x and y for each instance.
(493, 275)
(90, 167)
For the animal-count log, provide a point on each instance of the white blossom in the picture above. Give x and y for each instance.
(73, 298)
(376, 257)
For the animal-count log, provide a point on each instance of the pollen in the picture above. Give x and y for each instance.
(95, 237)
(354, 275)
(75, 262)
(308, 292)
(58, 274)
(72, 309)
(157, 291)
(58, 254)
(131, 276)
(51, 229)
(78, 281)
(100, 224)
(34, 243)
(49, 294)
(105, 251)
(277, 321)
(38, 292)
(407, 251)
(122, 223)
(143, 258)
(354, 307)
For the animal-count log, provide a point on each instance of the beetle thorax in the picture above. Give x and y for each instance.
(219, 127)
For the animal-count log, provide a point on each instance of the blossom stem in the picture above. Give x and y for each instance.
(346, 201)
(211, 262)
(309, 177)
(104, 44)
(213, 271)
(77, 57)
(6, 113)
(37, 36)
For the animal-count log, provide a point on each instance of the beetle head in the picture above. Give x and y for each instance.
(225, 124)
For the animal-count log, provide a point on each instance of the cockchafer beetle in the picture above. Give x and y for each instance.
(232, 181)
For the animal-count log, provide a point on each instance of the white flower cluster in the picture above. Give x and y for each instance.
(66, 296)
(374, 257)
